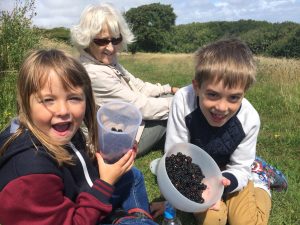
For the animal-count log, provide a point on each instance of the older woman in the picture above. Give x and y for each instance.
(100, 34)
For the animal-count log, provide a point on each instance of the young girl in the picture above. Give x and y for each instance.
(49, 173)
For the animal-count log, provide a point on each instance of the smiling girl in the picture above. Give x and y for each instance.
(50, 174)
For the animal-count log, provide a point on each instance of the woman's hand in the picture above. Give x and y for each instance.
(110, 173)
(157, 209)
(174, 90)
(217, 205)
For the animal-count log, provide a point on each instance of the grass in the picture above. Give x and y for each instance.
(276, 96)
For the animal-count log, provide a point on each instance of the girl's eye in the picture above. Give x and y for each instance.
(47, 101)
(76, 98)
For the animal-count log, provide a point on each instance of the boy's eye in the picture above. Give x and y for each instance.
(211, 95)
(235, 98)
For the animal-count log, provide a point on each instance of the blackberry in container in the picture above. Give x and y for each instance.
(179, 188)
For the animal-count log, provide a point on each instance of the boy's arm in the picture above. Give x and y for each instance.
(243, 157)
(177, 131)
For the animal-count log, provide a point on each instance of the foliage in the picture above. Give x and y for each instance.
(17, 35)
(278, 39)
(8, 97)
(187, 38)
(151, 25)
(58, 33)
(288, 42)
(264, 38)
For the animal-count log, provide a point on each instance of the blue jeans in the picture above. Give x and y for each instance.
(130, 192)
(137, 222)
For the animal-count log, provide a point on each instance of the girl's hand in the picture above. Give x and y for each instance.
(157, 209)
(135, 148)
(111, 173)
(217, 205)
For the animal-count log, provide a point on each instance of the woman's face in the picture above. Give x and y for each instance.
(105, 53)
(217, 102)
(58, 112)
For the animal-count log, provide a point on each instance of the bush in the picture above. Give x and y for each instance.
(58, 33)
(17, 35)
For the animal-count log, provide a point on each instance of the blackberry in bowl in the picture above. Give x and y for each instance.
(189, 178)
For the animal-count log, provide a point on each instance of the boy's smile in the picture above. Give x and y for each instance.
(218, 103)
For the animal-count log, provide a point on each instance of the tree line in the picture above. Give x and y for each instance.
(155, 31)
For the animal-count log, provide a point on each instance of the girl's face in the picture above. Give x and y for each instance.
(57, 112)
(105, 53)
(218, 103)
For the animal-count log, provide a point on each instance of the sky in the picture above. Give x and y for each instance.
(65, 13)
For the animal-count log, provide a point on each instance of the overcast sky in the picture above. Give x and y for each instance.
(65, 13)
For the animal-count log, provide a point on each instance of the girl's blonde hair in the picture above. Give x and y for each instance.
(33, 74)
(230, 61)
(92, 21)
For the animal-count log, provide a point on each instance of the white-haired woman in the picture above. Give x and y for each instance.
(101, 33)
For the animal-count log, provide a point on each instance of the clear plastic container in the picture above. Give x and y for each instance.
(118, 123)
(170, 217)
(211, 171)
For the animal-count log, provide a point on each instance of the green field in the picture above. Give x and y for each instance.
(276, 96)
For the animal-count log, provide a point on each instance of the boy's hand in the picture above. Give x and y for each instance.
(157, 208)
(111, 173)
(217, 205)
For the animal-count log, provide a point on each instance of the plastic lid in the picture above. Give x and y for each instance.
(169, 214)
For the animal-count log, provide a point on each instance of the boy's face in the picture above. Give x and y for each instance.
(218, 103)
(58, 112)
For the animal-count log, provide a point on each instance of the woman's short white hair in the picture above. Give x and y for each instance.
(92, 20)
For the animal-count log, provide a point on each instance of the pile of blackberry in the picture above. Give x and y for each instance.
(117, 130)
(186, 176)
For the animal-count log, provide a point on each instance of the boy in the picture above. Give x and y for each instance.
(213, 114)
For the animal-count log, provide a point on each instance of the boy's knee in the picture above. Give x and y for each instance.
(212, 217)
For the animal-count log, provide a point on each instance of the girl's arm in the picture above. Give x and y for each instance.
(38, 199)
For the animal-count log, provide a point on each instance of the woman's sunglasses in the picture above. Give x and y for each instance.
(105, 41)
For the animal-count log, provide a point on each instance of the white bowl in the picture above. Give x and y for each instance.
(211, 171)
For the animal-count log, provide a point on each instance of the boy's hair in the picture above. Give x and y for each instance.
(33, 75)
(230, 61)
(92, 20)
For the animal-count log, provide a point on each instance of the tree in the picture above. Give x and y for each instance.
(17, 35)
(151, 25)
